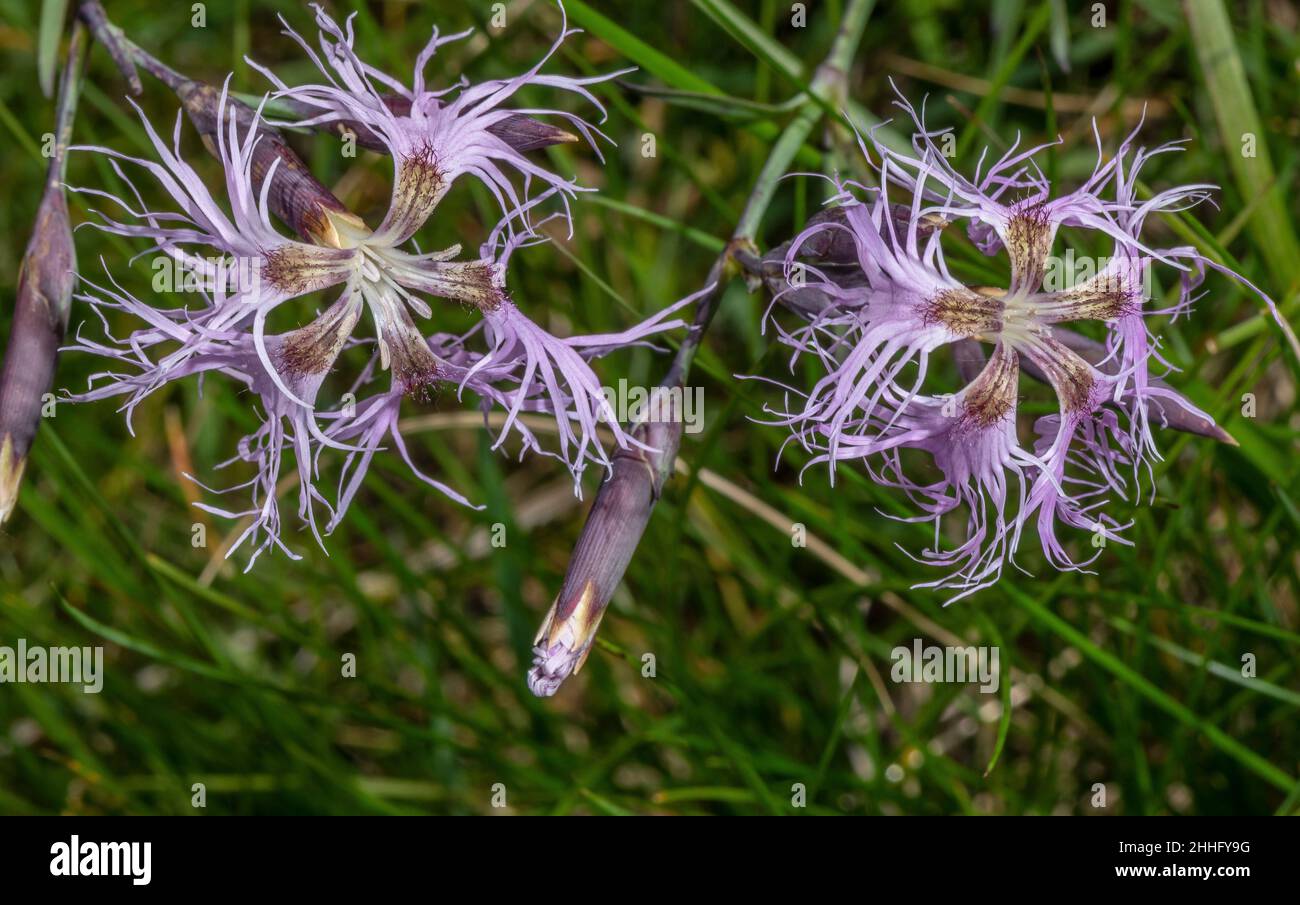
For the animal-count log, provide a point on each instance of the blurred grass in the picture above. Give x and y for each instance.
(768, 657)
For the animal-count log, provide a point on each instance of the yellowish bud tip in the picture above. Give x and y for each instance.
(11, 478)
(339, 229)
(563, 645)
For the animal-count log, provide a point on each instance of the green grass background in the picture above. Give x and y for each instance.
(769, 656)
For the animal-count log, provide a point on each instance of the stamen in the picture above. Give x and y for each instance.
(966, 313)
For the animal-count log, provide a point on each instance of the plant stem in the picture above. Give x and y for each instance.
(625, 501)
(111, 37)
(69, 92)
(828, 87)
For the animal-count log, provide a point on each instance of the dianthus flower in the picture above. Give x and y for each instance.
(246, 270)
(879, 328)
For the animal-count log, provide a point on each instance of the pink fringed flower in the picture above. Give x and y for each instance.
(246, 270)
(435, 136)
(878, 330)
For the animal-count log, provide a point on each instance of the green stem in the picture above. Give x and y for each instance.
(69, 92)
(770, 177)
(1238, 120)
(828, 87)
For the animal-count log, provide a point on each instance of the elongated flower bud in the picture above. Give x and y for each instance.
(609, 538)
(296, 197)
(45, 281)
(523, 133)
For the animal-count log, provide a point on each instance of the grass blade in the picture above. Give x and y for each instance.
(1241, 132)
(1249, 759)
(47, 43)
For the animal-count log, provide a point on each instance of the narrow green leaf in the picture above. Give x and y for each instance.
(47, 43)
(657, 64)
(1248, 758)
(723, 106)
(1000, 79)
(700, 238)
(1242, 135)
(1059, 35)
(1213, 667)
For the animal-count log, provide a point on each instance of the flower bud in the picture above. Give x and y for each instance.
(609, 538)
(296, 196)
(41, 306)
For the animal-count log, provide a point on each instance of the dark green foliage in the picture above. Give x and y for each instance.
(763, 650)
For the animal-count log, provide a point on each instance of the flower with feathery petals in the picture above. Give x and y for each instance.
(522, 369)
(877, 331)
(434, 136)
